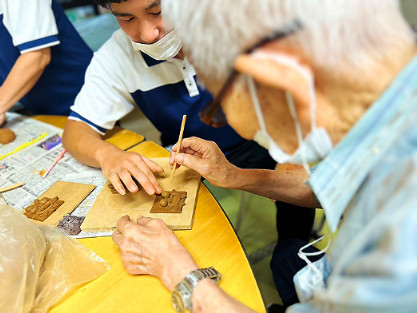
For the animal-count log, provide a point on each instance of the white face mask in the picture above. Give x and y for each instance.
(164, 49)
(316, 145)
(312, 277)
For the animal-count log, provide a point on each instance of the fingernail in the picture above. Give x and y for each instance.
(122, 192)
(150, 191)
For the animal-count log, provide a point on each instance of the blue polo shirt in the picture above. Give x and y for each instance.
(121, 77)
(36, 24)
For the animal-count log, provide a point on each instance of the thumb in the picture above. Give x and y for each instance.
(191, 161)
(122, 223)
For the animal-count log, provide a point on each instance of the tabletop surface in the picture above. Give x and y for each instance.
(212, 242)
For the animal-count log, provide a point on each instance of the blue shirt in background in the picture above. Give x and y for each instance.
(31, 25)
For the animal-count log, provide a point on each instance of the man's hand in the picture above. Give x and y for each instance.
(206, 158)
(120, 166)
(88, 147)
(150, 247)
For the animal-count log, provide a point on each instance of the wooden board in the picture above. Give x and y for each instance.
(71, 193)
(109, 207)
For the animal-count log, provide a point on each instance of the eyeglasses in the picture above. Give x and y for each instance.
(212, 114)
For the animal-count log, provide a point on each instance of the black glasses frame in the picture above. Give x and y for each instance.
(212, 114)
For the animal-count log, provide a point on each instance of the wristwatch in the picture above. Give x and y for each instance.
(182, 294)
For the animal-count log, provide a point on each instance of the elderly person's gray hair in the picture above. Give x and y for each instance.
(339, 35)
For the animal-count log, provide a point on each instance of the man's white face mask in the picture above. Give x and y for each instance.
(316, 145)
(164, 49)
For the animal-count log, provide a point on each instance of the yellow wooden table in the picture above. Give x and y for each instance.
(212, 242)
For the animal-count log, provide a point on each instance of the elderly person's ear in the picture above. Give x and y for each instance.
(264, 69)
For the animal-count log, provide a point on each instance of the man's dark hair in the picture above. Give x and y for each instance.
(105, 3)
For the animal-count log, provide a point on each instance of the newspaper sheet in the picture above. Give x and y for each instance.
(23, 162)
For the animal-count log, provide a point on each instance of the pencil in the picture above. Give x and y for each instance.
(26, 144)
(184, 118)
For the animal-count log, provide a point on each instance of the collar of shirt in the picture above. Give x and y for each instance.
(184, 66)
(338, 177)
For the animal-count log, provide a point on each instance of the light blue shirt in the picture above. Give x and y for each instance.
(370, 178)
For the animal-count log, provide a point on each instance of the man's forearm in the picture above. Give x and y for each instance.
(27, 70)
(286, 185)
(84, 144)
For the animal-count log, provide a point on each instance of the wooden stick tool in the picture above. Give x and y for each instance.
(184, 118)
(11, 187)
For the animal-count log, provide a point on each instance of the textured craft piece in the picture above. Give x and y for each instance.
(40, 210)
(70, 193)
(169, 202)
(71, 224)
(109, 207)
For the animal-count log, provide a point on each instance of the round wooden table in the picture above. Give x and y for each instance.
(212, 242)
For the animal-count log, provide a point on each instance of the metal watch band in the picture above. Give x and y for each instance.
(185, 288)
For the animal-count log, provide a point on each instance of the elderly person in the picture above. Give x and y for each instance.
(331, 82)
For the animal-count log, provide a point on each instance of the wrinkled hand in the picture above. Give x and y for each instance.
(150, 247)
(206, 158)
(120, 166)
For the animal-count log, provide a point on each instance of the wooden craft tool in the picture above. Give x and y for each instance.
(59, 157)
(184, 118)
(11, 187)
(26, 144)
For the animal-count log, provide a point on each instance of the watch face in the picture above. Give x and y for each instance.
(177, 301)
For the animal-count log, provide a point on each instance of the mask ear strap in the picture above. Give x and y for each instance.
(313, 107)
(255, 101)
(291, 106)
(304, 255)
(291, 62)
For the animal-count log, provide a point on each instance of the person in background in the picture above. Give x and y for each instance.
(42, 57)
(339, 80)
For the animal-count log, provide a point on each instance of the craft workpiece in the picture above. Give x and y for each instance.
(169, 202)
(71, 224)
(71, 193)
(40, 210)
(6, 136)
(109, 206)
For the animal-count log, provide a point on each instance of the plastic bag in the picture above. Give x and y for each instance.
(39, 264)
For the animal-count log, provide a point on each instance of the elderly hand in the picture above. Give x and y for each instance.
(206, 158)
(120, 166)
(150, 247)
